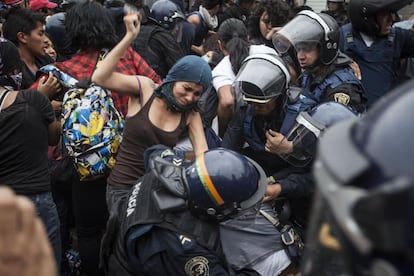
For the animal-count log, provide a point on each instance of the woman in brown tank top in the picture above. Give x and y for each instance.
(155, 115)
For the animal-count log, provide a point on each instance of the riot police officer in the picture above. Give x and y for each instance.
(371, 41)
(362, 220)
(325, 77)
(168, 223)
(336, 9)
(157, 40)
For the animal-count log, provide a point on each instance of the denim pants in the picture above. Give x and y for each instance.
(46, 210)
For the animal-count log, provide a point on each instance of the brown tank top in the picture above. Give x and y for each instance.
(140, 134)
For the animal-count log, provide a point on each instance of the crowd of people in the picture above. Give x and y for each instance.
(257, 137)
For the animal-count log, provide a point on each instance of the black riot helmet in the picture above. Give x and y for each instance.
(362, 13)
(363, 216)
(261, 78)
(310, 29)
(166, 14)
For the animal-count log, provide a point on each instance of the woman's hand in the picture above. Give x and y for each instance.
(132, 23)
(277, 143)
(49, 85)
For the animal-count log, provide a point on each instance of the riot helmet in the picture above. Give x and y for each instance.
(261, 78)
(222, 183)
(309, 126)
(166, 14)
(362, 219)
(310, 29)
(362, 13)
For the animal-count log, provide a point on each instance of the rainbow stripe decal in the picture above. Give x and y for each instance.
(206, 181)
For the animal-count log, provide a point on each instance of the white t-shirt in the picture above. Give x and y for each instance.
(223, 74)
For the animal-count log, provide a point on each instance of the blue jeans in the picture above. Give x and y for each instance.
(46, 210)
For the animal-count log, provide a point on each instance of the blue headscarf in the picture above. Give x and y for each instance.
(190, 68)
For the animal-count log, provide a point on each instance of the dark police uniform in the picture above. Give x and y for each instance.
(379, 63)
(151, 232)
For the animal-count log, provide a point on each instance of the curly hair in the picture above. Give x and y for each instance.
(279, 13)
(89, 26)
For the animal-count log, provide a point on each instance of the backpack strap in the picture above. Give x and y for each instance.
(3, 96)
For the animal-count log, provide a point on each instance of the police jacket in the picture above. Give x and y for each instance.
(335, 82)
(297, 183)
(378, 63)
(150, 231)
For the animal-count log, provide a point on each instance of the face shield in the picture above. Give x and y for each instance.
(304, 135)
(304, 32)
(261, 78)
(354, 230)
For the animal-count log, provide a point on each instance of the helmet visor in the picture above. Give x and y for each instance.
(261, 88)
(305, 29)
(303, 135)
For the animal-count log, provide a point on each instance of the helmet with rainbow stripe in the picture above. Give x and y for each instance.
(222, 183)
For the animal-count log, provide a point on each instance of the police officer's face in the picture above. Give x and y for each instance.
(265, 109)
(307, 54)
(385, 20)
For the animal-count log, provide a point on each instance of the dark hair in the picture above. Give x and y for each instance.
(279, 13)
(21, 20)
(233, 36)
(209, 4)
(89, 26)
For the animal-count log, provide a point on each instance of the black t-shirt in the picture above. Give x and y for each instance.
(24, 142)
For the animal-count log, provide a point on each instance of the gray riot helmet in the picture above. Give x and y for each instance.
(309, 126)
(261, 78)
(362, 13)
(311, 30)
(362, 221)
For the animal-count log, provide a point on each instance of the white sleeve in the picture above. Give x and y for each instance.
(223, 74)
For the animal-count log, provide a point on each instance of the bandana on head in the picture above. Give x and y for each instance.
(190, 68)
(9, 62)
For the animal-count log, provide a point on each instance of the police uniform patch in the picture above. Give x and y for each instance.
(197, 266)
(342, 98)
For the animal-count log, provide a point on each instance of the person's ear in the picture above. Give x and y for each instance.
(221, 47)
(22, 37)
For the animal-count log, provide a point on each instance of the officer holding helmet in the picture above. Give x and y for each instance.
(264, 247)
(325, 77)
(362, 220)
(262, 123)
(168, 223)
(371, 41)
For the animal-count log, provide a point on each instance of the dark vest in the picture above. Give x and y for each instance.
(378, 63)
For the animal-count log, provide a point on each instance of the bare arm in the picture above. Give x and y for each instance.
(225, 107)
(196, 133)
(105, 74)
